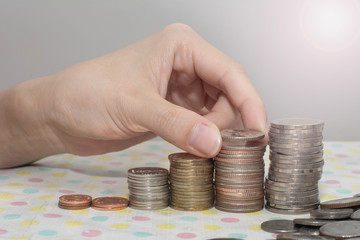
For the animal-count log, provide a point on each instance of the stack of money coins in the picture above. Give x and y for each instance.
(109, 203)
(296, 161)
(148, 188)
(191, 182)
(239, 171)
(75, 201)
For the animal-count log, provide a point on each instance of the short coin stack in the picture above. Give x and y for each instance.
(296, 155)
(148, 188)
(75, 201)
(109, 203)
(239, 171)
(191, 182)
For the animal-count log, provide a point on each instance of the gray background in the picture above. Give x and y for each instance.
(294, 74)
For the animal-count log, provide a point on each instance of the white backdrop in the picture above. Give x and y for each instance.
(303, 56)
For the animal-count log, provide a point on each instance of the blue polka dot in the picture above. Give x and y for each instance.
(114, 172)
(47, 233)
(44, 169)
(4, 177)
(11, 216)
(99, 218)
(277, 218)
(108, 192)
(142, 234)
(237, 235)
(328, 172)
(85, 161)
(352, 163)
(152, 163)
(337, 145)
(75, 181)
(189, 219)
(121, 154)
(343, 191)
(30, 191)
(154, 147)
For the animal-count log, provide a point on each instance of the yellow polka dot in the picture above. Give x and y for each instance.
(166, 211)
(69, 156)
(167, 152)
(60, 174)
(354, 150)
(322, 186)
(19, 238)
(124, 211)
(81, 211)
(37, 209)
(339, 168)
(120, 226)
(209, 212)
(254, 213)
(73, 223)
(125, 196)
(327, 151)
(165, 226)
(349, 176)
(46, 197)
(53, 186)
(212, 227)
(266, 160)
(327, 197)
(65, 164)
(165, 159)
(255, 227)
(6, 196)
(98, 166)
(135, 159)
(355, 187)
(23, 173)
(91, 187)
(29, 223)
(331, 160)
(1, 209)
(15, 184)
(95, 177)
(103, 158)
(124, 187)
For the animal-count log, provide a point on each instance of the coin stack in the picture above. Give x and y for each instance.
(239, 171)
(191, 182)
(296, 161)
(148, 188)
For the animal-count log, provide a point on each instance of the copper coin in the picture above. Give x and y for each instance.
(75, 200)
(109, 203)
(73, 207)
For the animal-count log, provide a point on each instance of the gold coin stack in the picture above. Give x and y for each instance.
(239, 171)
(191, 182)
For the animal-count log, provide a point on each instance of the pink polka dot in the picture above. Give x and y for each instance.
(332, 182)
(3, 231)
(109, 182)
(66, 191)
(230, 220)
(274, 235)
(91, 233)
(19, 203)
(140, 218)
(356, 172)
(77, 170)
(186, 235)
(341, 155)
(35, 180)
(149, 154)
(52, 215)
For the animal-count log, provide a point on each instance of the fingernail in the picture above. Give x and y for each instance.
(205, 139)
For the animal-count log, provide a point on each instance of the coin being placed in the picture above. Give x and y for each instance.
(75, 201)
(241, 135)
(341, 229)
(301, 236)
(279, 226)
(109, 203)
(341, 203)
(329, 213)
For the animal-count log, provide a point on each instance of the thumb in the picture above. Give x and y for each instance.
(181, 127)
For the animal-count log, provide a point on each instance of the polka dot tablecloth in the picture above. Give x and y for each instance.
(29, 197)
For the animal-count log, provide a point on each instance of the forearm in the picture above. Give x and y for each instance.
(25, 133)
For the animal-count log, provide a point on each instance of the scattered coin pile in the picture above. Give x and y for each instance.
(296, 155)
(337, 219)
(82, 201)
(191, 182)
(148, 188)
(239, 171)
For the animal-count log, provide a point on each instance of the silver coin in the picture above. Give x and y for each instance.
(295, 136)
(287, 211)
(341, 213)
(246, 146)
(301, 236)
(273, 144)
(357, 195)
(314, 231)
(241, 135)
(341, 229)
(295, 131)
(298, 151)
(278, 226)
(341, 203)
(278, 139)
(355, 215)
(279, 156)
(297, 123)
(311, 221)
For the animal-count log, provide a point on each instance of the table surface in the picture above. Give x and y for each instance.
(29, 197)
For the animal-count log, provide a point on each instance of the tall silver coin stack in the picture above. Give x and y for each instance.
(191, 182)
(239, 171)
(296, 162)
(148, 188)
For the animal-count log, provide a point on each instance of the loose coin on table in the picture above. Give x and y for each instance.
(341, 203)
(311, 222)
(301, 236)
(355, 215)
(341, 229)
(279, 226)
(340, 213)
(109, 203)
(75, 201)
